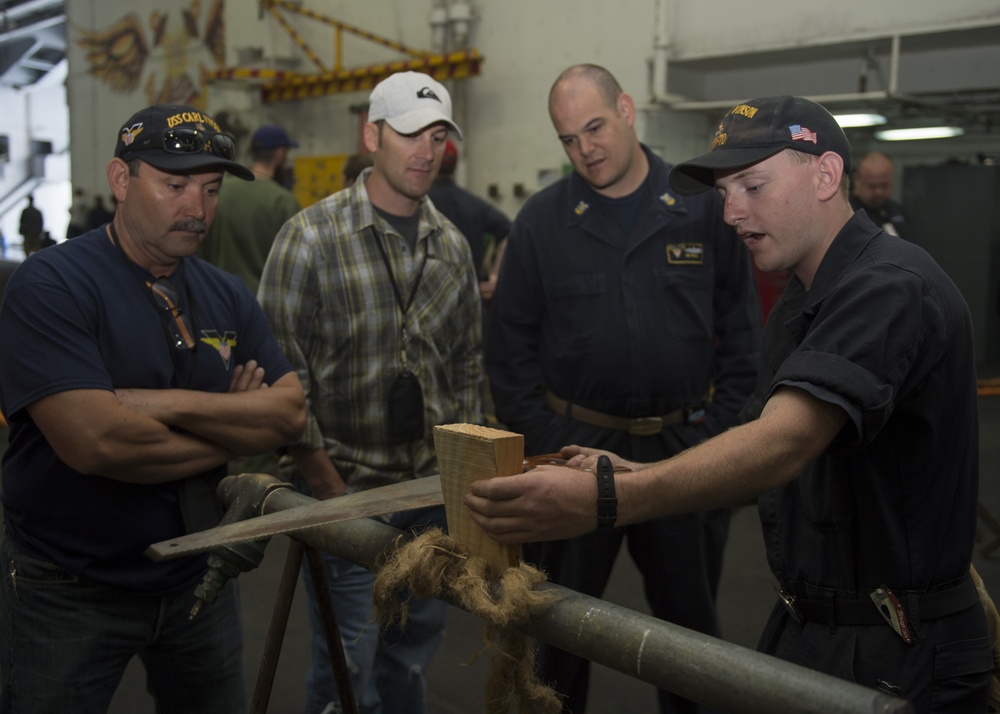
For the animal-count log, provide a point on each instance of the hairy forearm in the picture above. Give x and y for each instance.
(550, 502)
(163, 457)
(734, 467)
(248, 422)
(94, 433)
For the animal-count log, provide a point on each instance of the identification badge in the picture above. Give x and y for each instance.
(685, 253)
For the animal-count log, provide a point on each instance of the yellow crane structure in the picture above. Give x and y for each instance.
(283, 85)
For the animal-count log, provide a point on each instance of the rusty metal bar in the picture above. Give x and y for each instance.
(719, 674)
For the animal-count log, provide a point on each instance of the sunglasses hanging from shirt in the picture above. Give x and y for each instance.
(405, 401)
(180, 328)
(163, 296)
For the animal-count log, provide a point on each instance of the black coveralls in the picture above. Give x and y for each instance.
(885, 335)
(632, 326)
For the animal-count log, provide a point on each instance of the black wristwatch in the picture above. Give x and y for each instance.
(607, 502)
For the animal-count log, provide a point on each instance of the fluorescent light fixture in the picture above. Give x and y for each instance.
(919, 132)
(849, 121)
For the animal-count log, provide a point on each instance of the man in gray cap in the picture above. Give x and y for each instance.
(374, 298)
(131, 373)
(251, 213)
(862, 445)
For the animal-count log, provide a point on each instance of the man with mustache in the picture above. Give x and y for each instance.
(373, 296)
(131, 373)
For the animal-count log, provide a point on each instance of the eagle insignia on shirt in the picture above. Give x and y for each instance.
(581, 208)
(223, 344)
(668, 200)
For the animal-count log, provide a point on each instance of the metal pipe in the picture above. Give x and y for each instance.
(713, 672)
(894, 66)
(661, 50)
(439, 27)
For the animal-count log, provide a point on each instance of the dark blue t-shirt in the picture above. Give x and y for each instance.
(79, 316)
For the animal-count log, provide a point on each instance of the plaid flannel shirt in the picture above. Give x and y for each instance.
(333, 309)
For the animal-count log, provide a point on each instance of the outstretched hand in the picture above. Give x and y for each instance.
(546, 503)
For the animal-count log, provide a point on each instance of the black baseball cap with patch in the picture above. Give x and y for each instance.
(758, 129)
(178, 138)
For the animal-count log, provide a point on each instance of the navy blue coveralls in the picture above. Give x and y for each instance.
(886, 336)
(632, 326)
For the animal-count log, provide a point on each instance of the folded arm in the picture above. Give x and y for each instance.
(95, 433)
(550, 503)
(251, 418)
(149, 436)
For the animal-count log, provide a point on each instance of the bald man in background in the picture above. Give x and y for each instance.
(871, 190)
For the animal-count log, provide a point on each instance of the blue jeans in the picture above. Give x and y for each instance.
(387, 669)
(65, 643)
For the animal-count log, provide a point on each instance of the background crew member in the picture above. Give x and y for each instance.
(480, 222)
(30, 227)
(251, 213)
(871, 190)
(355, 164)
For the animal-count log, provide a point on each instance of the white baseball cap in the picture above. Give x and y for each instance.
(410, 102)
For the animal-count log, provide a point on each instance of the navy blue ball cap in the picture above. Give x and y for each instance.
(178, 138)
(758, 129)
(272, 136)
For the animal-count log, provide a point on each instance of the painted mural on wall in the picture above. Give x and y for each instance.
(168, 55)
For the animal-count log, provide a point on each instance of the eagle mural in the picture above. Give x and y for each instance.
(120, 54)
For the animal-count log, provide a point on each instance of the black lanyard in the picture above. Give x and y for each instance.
(403, 308)
(392, 278)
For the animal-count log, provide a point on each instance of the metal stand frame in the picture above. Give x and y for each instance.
(279, 623)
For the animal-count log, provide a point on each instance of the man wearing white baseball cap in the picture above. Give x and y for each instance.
(410, 102)
(374, 299)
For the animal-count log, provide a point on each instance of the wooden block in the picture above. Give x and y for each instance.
(467, 453)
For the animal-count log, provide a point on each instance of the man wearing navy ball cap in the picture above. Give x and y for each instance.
(131, 373)
(862, 444)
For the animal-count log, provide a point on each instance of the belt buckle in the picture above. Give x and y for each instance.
(645, 426)
(788, 600)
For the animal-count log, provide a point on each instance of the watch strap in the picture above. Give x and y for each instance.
(607, 501)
